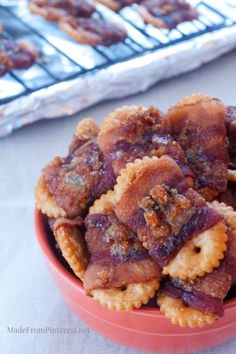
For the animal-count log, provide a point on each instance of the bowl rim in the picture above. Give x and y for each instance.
(75, 282)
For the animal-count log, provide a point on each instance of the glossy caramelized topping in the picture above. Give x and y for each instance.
(156, 202)
(198, 125)
(206, 293)
(117, 256)
(80, 178)
(129, 133)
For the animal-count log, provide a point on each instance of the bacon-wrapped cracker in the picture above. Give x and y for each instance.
(204, 294)
(132, 132)
(198, 125)
(93, 31)
(199, 255)
(54, 10)
(228, 213)
(68, 186)
(71, 243)
(121, 275)
(154, 200)
(230, 123)
(117, 5)
(166, 13)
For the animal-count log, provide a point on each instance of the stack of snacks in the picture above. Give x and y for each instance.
(135, 208)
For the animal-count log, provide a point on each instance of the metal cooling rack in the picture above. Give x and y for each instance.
(63, 59)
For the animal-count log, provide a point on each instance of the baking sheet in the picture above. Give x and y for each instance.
(69, 77)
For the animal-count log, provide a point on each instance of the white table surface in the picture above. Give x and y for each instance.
(28, 296)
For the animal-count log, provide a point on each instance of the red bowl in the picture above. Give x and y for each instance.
(144, 329)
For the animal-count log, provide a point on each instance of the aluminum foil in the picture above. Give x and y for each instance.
(116, 81)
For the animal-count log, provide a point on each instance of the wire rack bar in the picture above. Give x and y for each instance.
(132, 44)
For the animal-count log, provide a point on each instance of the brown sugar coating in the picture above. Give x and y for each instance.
(208, 292)
(133, 132)
(153, 228)
(120, 275)
(68, 186)
(166, 13)
(197, 123)
(117, 256)
(116, 5)
(77, 180)
(166, 210)
(200, 255)
(155, 201)
(54, 10)
(93, 31)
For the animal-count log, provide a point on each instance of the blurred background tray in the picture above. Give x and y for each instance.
(63, 79)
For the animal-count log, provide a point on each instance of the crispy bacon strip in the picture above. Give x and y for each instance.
(133, 132)
(80, 178)
(93, 31)
(206, 293)
(117, 256)
(155, 201)
(166, 13)
(54, 10)
(197, 123)
(68, 186)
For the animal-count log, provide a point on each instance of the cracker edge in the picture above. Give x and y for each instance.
(134, 296)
